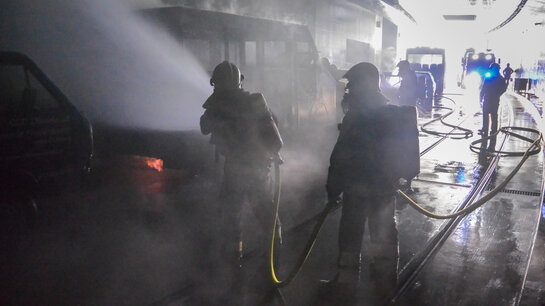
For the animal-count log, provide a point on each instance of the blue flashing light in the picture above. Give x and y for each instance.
(487, 75)
(460, 177)
(480, 70)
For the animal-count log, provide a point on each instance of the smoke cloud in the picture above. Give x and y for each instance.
(111, 64)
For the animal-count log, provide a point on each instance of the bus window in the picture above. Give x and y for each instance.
(234, 53)
(303, 54)
(302, 47)
(200, 49)
(358, 51)
(425, 59)
(275, 53)
(217, 52)
(251, 52)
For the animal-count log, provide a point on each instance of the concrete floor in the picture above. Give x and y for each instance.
(142, 237)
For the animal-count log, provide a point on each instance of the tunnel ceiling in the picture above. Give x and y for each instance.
(491, 13)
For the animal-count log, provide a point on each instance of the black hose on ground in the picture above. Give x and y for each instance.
(465, 133)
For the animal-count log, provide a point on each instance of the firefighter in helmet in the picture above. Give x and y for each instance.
(408, 88)
(245, 132)
(361, 172)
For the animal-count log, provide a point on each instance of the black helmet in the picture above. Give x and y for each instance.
(226, 75)
(363, 72)
(403, 64)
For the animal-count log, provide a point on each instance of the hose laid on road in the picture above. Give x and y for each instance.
(465, 133)
(532, 150)
(507, 130)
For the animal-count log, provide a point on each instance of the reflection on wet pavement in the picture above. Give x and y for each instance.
(145, 233)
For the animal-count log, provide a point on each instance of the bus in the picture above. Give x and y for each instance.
(278, 59)
(431, 60)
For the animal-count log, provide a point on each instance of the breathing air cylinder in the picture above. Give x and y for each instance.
(400, 146)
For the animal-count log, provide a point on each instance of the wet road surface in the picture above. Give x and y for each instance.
(139, 236)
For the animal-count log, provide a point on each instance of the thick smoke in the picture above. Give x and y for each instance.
(111, 64)
(287, 11)
(122, 70)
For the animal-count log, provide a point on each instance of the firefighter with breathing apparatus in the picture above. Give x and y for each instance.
(245, 132)
(408, 88)
(377, 145)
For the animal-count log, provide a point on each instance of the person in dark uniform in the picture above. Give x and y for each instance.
(408, 88)
(244, 131)
(360, 171)
(507, 72)
(408, 95)
(493, 87)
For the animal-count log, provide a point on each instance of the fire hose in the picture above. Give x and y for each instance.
(465, 133)
(310, 242)
(534, 148)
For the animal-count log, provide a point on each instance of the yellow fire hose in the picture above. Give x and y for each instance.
(533, 149)
(310, 242)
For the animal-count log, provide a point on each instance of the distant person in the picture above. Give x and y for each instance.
(408, 88)
(507, 72)
(245, 132)
(493, 87)
(359, 171)
(331, 68)
(408, 93)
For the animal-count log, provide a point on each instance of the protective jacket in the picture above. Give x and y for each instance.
(408, 89)
(491, 91)
(371, 151)
(242, 126)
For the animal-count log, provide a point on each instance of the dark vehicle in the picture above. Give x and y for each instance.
(278, 59)
(475, 63)
(46, 143)
(431, 60)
